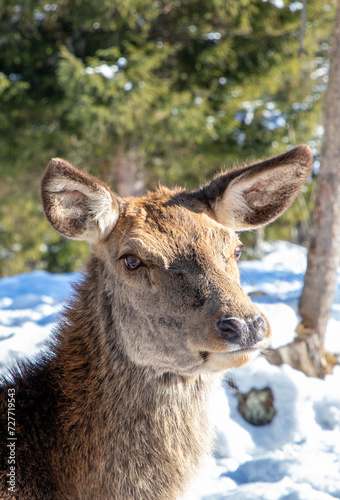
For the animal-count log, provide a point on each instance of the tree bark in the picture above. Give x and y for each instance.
(129, 174)
(323, 257)
(306, 352)
(259, 237)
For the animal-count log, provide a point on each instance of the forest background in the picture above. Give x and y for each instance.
(140, 92)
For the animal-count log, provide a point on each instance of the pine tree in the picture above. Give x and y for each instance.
(176, 90)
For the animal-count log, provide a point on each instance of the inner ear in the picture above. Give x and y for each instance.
(76, 204)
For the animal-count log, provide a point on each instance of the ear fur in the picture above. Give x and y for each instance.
(255, 195)
(77, 204)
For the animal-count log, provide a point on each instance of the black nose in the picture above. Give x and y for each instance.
(241, 332)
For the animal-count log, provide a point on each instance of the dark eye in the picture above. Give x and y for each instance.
(238, 252)
(132, 263)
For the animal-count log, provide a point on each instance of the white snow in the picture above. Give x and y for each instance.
(297, 456)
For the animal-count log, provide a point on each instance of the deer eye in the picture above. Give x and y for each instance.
(238, 252)
(132, 263)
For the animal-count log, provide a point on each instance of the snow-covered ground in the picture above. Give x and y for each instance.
(297, 456)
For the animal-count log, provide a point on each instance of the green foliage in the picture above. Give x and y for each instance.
(198, 85)
(27, 242)
(187, 78)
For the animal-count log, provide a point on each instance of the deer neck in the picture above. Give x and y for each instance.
(113, 407)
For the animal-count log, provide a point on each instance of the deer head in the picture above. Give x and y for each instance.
(168, 260)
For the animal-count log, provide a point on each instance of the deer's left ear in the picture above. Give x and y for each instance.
(252, 196)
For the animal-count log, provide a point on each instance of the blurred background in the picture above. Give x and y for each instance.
(140, 92)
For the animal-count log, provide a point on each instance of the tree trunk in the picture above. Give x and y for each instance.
(128, 173)
(259, 237)
(306, 352)
(323, 257)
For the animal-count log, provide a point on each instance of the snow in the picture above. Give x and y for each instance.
(29, 305)
(297, 455)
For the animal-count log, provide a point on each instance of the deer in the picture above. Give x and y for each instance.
(117, 407)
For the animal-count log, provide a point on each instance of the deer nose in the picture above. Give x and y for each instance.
(241, 332)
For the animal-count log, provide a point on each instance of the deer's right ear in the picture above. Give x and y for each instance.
(77, 204)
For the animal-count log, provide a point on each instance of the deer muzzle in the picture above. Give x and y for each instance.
(245, 334)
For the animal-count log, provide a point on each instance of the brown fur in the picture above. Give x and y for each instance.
(119, 408)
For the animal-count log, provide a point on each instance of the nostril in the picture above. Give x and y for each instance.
(258, 322)
(232, 329)
(256, 330)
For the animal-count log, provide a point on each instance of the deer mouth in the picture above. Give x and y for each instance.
(219, 362)
(235, 350)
